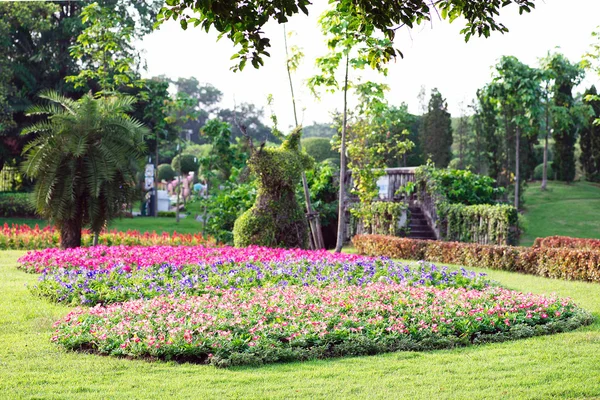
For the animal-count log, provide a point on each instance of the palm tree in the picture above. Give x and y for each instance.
(84, 161)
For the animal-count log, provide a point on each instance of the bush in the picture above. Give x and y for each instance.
(165, 173)
(459, 186)
(562, 263)
(319, 148)
(167, 214)
(16, 205)
(568, 242)
(539, 170)
(189, 163)
(481, 223)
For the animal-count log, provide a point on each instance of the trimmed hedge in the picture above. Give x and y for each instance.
(482, 223)
(561, 263)
(16, 205)
(556, 242)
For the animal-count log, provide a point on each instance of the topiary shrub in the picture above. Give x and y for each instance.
(319, 148)
(165, 173)
(539, 171)
(276, 219)
(189, 163)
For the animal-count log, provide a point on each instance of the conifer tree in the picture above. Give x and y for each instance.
(436, 131)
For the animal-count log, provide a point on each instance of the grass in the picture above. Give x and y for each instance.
(558, 366)
(566, 210)
(142, 224)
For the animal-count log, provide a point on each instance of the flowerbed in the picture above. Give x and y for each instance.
(128, 257)
(562, 263)
(260, 325)
(118, 284)
(23, 237)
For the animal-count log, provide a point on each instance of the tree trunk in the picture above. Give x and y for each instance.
(517, 169)
(342, 193)
(545, 168)
(313, 220)
(70, 233)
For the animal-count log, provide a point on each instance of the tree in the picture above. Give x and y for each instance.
(436, 133)
(243, 21)
(84, 161)
(353, 45)
(248, 117)
(590, 138)
(486, 126)
(517, 94)
(37, 37)
(563, 76)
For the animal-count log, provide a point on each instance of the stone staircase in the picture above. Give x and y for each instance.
(419, 228)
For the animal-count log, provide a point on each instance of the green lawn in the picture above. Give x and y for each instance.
(566, 210)
(142, 224)
(559, 366)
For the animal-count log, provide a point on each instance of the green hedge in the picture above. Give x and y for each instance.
(16, 205)
(165, 173)
(380, 217)
(538, 172)
(481, 223)
(464, 205)
(561, 263)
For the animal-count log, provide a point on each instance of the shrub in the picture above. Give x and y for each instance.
(319, 148)
(165, 173)
(567, 242)
(481, 223)
(167, 214)
(562, 263)
(539, 171)
(462, 206)
(277, 324)
(459, 186)
(189, 163)
(16, 205)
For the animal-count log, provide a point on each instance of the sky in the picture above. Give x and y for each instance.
(435, 56)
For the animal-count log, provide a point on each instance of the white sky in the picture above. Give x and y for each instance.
(435, 55)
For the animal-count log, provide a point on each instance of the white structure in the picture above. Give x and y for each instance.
(164, 203)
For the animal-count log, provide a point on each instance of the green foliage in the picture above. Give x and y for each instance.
(166, 173)
(105, 46)
(590, 137)
(326, 131)
(167, 214)
(225, 204)
(243, 23)
(16, 205)
(563, 76)
(323, 190)
(464, 204)
(275, 219)
(459, 186)
(381, 217)
(538, 172)
(436, 131)
(319, 148)
(84, 161)
(189, 163)
(482, 223)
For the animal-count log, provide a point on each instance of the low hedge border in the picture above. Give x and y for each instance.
(561, 263)
(567, 242)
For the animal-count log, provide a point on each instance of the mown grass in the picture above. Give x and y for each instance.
(566, 210)
(560, 366)
(142, 224)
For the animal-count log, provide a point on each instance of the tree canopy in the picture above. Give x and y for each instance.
(242, 21)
